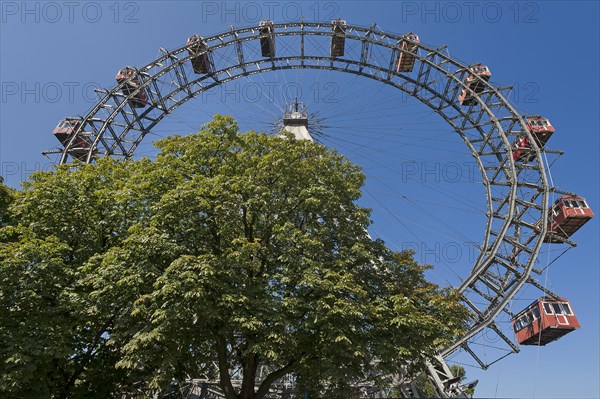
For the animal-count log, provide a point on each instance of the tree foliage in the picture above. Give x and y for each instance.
(241, 257)
(6, 195)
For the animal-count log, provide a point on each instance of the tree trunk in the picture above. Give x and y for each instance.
(224, 377)
(250, 367)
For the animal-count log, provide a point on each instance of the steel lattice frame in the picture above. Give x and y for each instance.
(517, 193)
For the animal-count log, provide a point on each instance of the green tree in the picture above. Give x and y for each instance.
(6, 195)
(241, 257)
(54, 342)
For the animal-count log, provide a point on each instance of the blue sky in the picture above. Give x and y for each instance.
(53, 53)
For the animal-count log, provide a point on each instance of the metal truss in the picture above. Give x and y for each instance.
(517, 193)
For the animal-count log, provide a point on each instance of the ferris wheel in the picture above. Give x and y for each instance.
(508, 150)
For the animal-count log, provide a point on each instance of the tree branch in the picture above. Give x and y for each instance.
(274, 376)
(86, 358)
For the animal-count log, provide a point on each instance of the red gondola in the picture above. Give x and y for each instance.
(406, 61)
(267, 39)
(541, 130)
(521, 151)
(129, 75)
(566, 216)
(338, 39)
(545, 320)
(64, 131)
(197, 48)
(473, 83)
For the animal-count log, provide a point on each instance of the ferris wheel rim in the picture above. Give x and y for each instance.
(429, 58)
